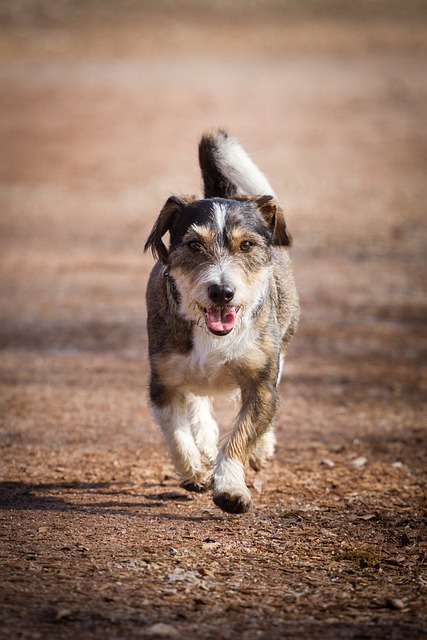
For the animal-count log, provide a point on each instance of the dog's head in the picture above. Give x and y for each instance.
(219, 255)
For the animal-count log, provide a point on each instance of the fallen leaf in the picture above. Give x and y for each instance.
(62, 613)
(257, 484)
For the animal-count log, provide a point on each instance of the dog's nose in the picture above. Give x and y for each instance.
(220, 293)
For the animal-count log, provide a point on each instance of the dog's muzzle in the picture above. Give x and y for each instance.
(221, 317)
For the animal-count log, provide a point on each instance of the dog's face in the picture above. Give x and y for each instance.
(219, 255)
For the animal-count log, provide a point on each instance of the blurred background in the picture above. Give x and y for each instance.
(102, 105)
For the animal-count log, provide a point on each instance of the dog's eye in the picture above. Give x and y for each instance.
(246, 246)
(195, 246)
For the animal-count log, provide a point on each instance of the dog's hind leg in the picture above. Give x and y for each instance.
(204, 427)
(185, 454)
(263, 450)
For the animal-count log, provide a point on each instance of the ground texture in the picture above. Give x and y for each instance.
(100, 116)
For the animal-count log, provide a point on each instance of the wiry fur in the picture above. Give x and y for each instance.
(222, 307)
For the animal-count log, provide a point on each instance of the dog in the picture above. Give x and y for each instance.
(222, 307)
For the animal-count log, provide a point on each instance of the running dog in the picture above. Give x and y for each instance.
(222, 307)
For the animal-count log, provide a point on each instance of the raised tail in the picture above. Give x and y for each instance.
(227, 170)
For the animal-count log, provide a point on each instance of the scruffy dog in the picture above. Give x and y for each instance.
(222, 307)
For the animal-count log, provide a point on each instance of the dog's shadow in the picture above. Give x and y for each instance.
(73, 497)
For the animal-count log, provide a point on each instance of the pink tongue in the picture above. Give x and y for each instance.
(221, 319)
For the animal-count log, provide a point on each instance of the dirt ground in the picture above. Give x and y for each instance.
(101, 106)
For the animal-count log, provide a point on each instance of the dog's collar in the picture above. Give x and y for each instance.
(258, 307)
(171, 285)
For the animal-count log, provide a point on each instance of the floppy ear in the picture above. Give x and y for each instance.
(275, 218)
(164, 224)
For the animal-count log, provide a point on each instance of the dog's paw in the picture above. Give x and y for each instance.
(233, 503)
(230, 492)
(197, 487)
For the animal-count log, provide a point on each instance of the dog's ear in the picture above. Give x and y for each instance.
(273, 214)
(163, 224)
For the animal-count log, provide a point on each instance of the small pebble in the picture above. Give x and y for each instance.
(359, 462)
(395, 603)
(328, 463)
(162, 630)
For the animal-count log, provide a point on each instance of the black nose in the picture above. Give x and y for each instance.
(220, 294)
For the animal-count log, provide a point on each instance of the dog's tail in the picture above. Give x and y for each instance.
(227, 170)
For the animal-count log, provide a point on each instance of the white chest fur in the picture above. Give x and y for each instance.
(208, 368)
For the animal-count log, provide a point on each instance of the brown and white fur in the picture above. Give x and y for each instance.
(222, 306)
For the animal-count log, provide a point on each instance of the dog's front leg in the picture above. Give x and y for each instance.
(204, 428)
(230, 492)
(173, 420)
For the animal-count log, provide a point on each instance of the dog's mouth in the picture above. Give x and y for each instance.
(221, 320)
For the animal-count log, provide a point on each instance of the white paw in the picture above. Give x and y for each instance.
(230, 492)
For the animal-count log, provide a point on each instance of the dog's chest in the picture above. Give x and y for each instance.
(210, 367)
